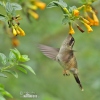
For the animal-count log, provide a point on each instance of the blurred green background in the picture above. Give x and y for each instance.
(49, 83)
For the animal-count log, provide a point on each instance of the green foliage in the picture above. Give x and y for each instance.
(2, 17)
(3, 93)
(67, 11)
(10, 9)
(10, 64)
(60, 3)
(15, 60)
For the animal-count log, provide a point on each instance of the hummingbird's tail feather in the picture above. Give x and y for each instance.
(78, 81)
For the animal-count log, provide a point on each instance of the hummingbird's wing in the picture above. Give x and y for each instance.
(50, 52)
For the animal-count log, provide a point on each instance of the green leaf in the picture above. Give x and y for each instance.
(72, 8)
(12, 72)
(9, 8)
(3, 75)
(51, 5)
(12, 57)
(60, 3)
(24, 58)
(1, 87)
(65, 20)
(22, 69)
(2, 17)
(5, 93)
(16, 52)
(16, 6)
(3, 58)
(27, 67)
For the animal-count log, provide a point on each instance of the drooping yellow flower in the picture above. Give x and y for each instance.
(22, 33)
(90, 20)
(17, 30)
(33, 14)
(85, 20)
(33, 7)
(71, 30)
(40, 4)
(88, 27)
(14, 31)
(96, 21)
(76, 12)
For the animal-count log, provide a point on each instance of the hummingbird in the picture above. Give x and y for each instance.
(64, 56)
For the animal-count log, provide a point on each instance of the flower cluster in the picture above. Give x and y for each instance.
(32, 6)
(14, 24)
(86, 20)
(72, 14)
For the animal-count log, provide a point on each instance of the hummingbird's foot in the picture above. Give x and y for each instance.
(66, 73)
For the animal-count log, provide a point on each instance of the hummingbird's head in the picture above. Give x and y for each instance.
(69, 42)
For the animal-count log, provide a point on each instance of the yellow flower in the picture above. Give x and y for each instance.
(14, 31)
(96, 21)
(71, 30)
(17, 30)
(90, 20)
(40, 4)
(33, 14)
(88, 27)
(85, 20)
(22, 33)
(76, 12)
(33, 7)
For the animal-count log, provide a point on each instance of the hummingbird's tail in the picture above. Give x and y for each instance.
(78, 81)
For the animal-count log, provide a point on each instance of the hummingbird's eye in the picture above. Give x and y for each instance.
(71, 41)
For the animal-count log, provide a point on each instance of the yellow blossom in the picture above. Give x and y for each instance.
(33, 14)
(17, 30)
(85, 20)
(33, 7)
(90, 20)
(76, 13)
(14, 31)
(71, 30)
(40, 4)
(88, 27)
(96, 21)
(22, 33)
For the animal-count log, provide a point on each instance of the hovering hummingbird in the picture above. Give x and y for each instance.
(64, 56)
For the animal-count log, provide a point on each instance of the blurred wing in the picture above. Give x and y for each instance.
(50, 52)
